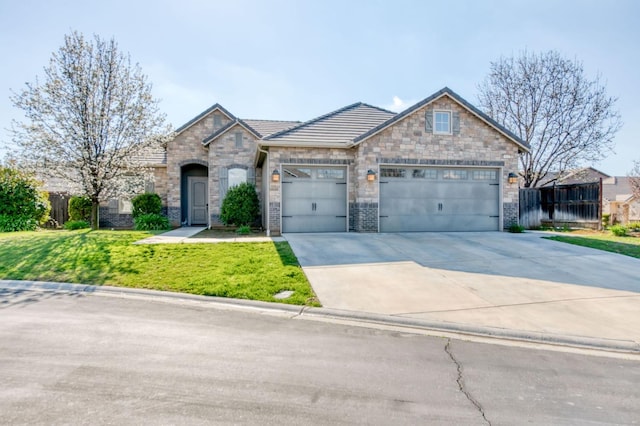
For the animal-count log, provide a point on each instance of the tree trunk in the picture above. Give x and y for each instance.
(95, 220)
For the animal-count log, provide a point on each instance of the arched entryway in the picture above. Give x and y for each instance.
(194, 194)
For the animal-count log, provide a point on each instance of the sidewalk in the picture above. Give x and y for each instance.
(183, 236)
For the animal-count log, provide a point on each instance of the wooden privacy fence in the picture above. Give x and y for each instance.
(558, 205)
(530, 209)
(59, 209)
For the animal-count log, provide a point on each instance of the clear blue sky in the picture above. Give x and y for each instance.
(294, 60)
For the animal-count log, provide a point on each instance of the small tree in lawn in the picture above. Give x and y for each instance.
(90, 121)
(548, 102)
(240, 206)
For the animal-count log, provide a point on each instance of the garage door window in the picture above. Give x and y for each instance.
(455, 174)
(394, 173)
(425, 174)
(484, 175)
(330, 173)
(297, 173)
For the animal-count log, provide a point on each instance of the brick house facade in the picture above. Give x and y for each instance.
(353, 169)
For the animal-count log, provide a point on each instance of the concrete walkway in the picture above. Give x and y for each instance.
(184, 236)
(502, 284)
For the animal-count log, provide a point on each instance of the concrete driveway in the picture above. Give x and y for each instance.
(489, 279)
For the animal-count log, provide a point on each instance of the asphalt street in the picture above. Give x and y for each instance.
(79, 358)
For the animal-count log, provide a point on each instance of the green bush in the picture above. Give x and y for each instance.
(76, 224)
(619, 230)
(605, 220)
(243, 230)
(151, 222)
(23, 205)
(79, 208)
(17, 223)
(240, 205)
(516, 229)
(634, 226)
(147, 203)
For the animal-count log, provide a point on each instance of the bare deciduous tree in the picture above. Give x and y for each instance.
(547, 101)
(90, 122)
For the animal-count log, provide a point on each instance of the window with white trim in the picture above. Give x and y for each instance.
(442, 122)
(236, 177)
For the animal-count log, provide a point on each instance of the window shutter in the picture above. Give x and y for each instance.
(428, 115)
(224, 183)
(251, 176)
(455, 123)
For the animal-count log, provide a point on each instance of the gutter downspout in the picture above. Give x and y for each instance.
(266, 207)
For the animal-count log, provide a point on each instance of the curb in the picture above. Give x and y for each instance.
(627, 346)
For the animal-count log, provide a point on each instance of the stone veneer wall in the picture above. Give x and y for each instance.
(184, 149)
(223, 153)
(407, 142)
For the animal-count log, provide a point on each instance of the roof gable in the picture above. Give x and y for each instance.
(457, 98)
(230, 125)
(204, 114)
(337, 128)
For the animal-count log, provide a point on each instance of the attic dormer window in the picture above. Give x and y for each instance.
(217, 121)
(442, 122)
(239, 140)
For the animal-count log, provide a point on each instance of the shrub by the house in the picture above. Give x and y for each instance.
(23, 205)
(240, 206)
(147, 203)
(146, 212)
(79, 208)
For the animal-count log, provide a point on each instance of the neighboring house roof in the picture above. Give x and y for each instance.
(616, 188)
(202, 115)
(574, 176)
(445, 92)
(337, 128)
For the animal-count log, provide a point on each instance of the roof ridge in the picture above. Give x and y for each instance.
(203, 114)
(314, 120)
(379, 108)
(278, 121)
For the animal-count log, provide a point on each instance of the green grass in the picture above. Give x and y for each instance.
(629, 246)
(253, 271)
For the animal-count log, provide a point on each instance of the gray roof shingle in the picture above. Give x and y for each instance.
(337, 128)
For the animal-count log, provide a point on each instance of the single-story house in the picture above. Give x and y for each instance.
(440, 165)
(619, 201)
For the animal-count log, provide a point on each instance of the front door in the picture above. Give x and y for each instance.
(198, 207)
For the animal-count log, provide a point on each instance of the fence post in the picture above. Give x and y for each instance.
(600, 206)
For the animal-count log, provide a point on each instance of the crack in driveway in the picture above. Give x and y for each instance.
(460, 381)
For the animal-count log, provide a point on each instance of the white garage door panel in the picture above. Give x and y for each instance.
(314, 199)
(468, 203)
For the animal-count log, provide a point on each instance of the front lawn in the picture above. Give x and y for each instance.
(629, 246)
(254, 271)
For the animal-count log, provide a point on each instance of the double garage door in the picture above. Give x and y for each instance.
(412, 199)
(421, 199)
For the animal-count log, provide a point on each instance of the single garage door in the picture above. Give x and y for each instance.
(419, 199)
(314, 199)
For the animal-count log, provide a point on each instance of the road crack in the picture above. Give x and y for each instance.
(460, 381)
